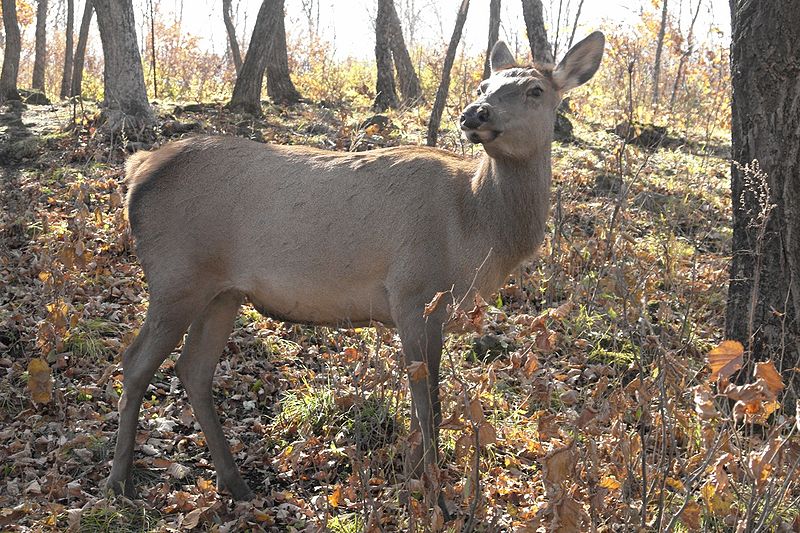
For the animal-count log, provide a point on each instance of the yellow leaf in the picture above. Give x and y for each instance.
(610, 483)
(675, 484)
(725, 359)
(40, 381)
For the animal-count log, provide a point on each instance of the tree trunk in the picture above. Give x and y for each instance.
(659, 47)
(125, 104)
(444, 86)
(764, 292)
(575, 25)
(80, 49)
(13, 47)
(537, 35)
(406, 75)
(66, 76)
(231, 29)
(40, 59)
(385, 93)
(684, 57)
(247, 90)
(280, 88)
(494, 34)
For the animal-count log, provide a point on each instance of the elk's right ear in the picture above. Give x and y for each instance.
(501, 57)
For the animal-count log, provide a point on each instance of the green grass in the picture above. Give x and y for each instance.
(88, 339)
(116, 520)
(346, 523)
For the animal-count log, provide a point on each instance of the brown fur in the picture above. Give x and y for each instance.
(334, 238)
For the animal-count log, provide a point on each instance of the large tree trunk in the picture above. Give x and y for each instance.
(125, 104)
(66, 76)
(444, 86)
(13, 46)
(385, 93)
(659, 47)
(231, 29)
(40, 59)
(494, 34)
(280, 88)
(406, 75)
(247, 90)
(537, 35)
(80, 49)
(764, 292)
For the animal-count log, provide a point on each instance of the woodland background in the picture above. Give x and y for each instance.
(602, 390)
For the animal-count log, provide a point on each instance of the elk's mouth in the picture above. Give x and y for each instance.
(481, 136)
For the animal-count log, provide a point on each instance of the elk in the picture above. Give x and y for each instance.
(326, 238)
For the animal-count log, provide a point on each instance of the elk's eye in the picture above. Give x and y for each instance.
(535, 92)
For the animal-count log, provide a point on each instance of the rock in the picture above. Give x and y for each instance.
(34, 97)
(488, 348)
(563, 128)
(607, 185)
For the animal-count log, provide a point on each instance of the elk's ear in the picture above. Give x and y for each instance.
(501, 57)
(580, 63)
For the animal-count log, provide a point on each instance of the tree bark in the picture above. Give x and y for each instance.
(494, 34)
(280, 88)
(444, 86)
(537, 35)
(231, 29)
(764, 292)
(80, 49)
(385, 92)
(659, 47)
(11, 53)
(684, 57)
(66, 76)
(247, 90)
(125, 104)
(40, 59)
(406, 75)
(575, 25)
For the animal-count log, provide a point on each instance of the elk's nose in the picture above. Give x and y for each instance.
(474, 116)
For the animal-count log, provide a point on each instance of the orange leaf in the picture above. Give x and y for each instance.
(417, 370)
(690, 516)
(335, 497)
(767, 372)
(725, 359)
(431, 306)
(559, 464)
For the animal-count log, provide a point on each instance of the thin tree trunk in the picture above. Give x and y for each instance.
(11, 53)
(280, 88)
(385, 92)
(231, 29)
(125, 104)
(684, 57)
(558, 28)
(80, 49)
(40, 59)
(153, 50)
(247, 90)
(66, 76)
(444, 86)
(537, 35)
(575, 25)
(494, 34)
(406, 75)
(659, 47)
(764, 292)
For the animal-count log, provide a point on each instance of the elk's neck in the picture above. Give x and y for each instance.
(512, 198)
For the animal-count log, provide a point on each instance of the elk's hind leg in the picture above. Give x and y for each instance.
(201, 352)
(166, 322)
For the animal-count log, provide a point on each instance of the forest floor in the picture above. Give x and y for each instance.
(585, 397)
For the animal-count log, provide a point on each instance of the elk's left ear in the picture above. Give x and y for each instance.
(501, 57)
(580, 63)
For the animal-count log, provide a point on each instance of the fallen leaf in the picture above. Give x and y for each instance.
(770, 375)
(40, 381)
(725, 359)
(690, 516)
(486, 434)
(561, 312)
(335, 497)
(610, 483)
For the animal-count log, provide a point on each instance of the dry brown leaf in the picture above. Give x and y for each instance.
(431, 306)
(725, 359)
(417, 370)
(770, 375)
(463, 445)
(568, 515)
(704, 403)
(40, 381)
(690, 516)
(192, 518)
(486, 434)
(531, 365)
(476, 415)
(561, 312)
(559, 464)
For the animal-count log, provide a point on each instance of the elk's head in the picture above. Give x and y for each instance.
(515, 111)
